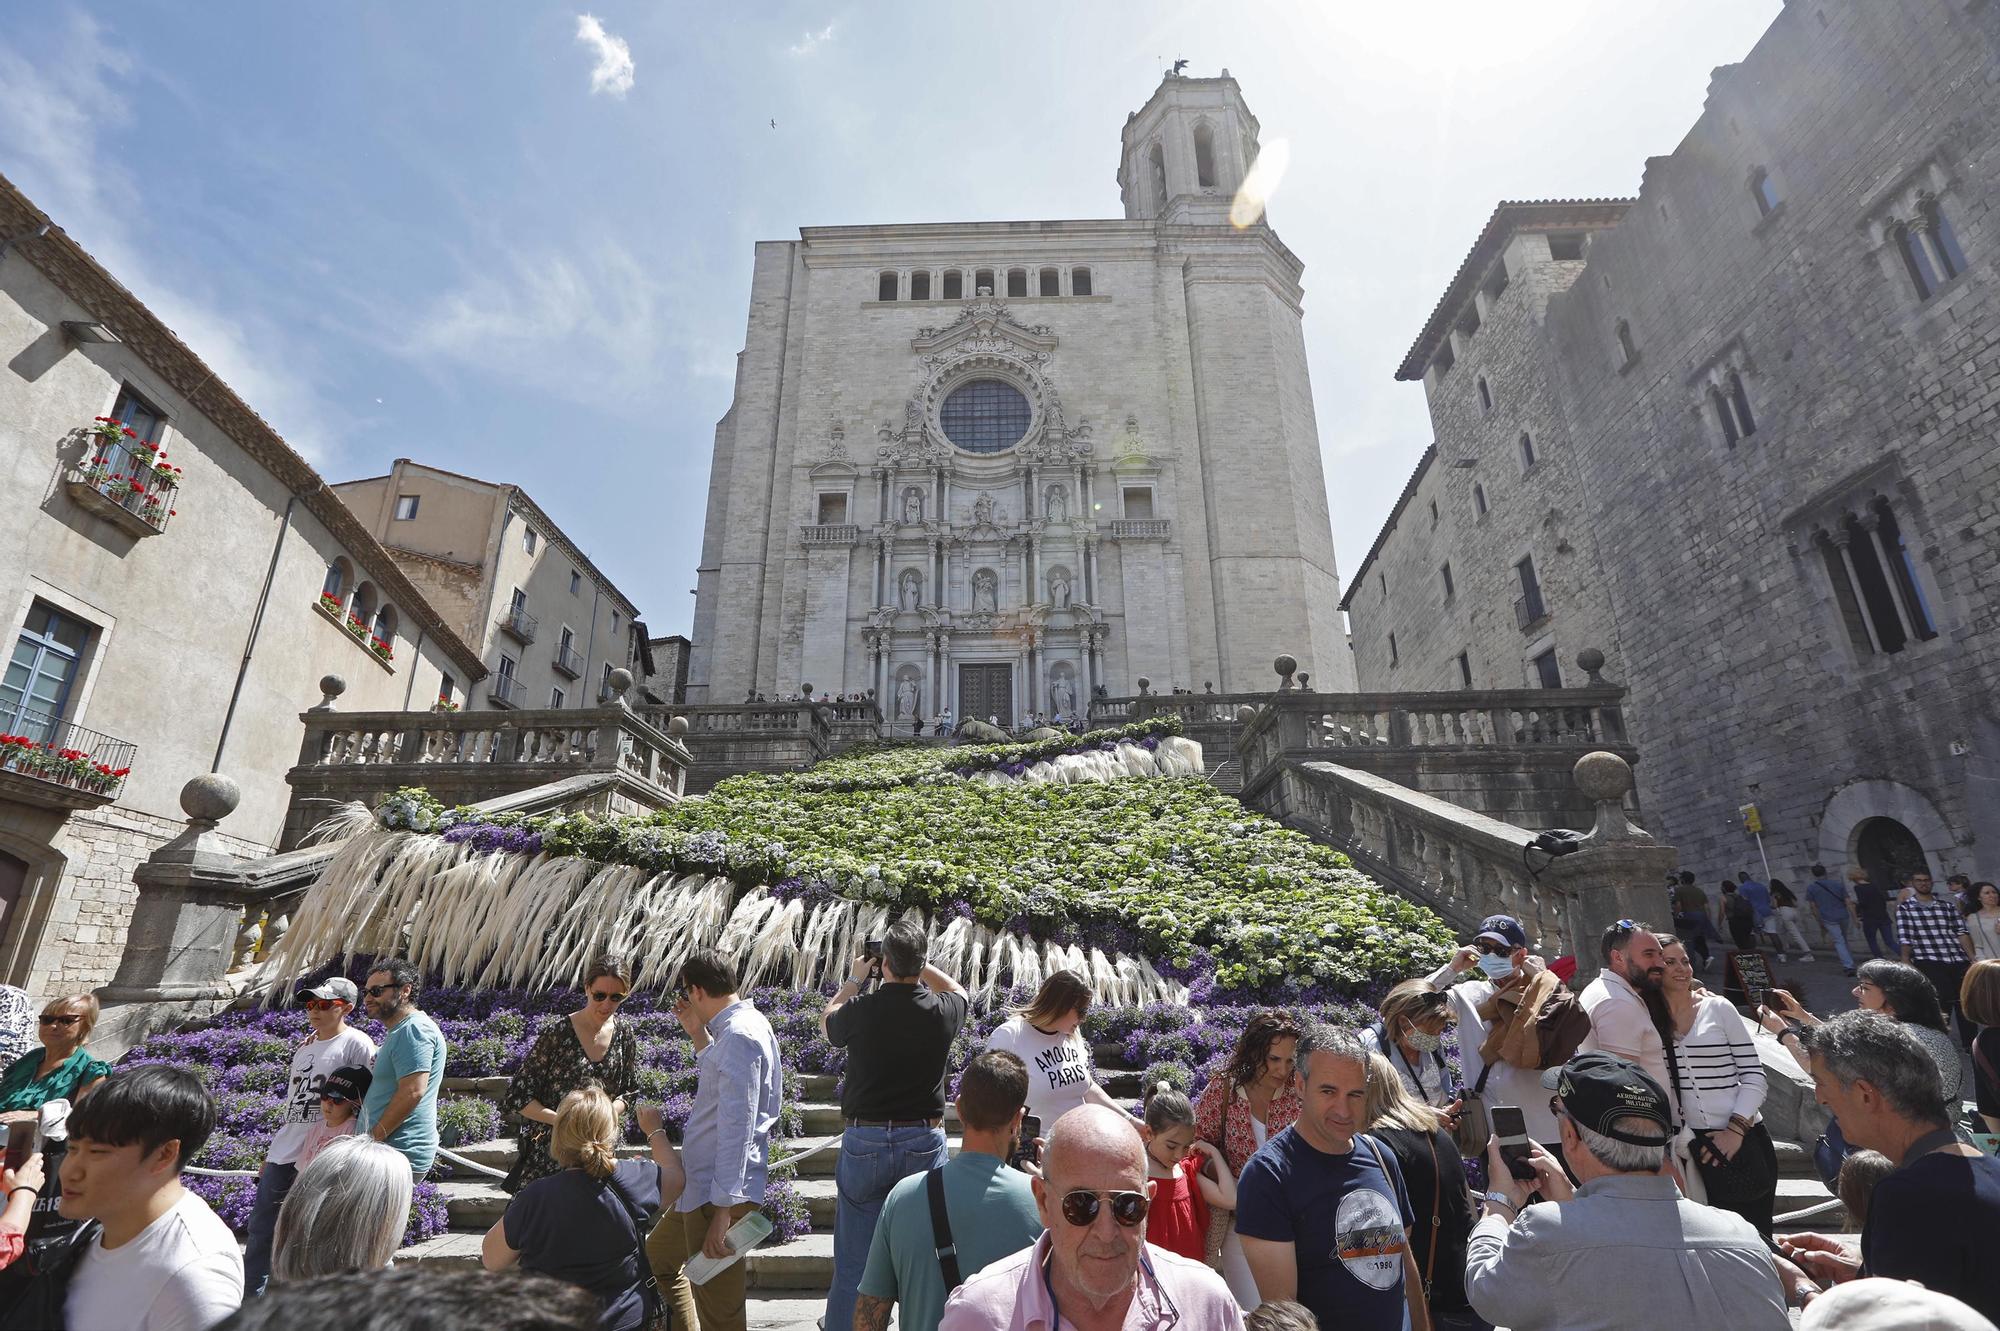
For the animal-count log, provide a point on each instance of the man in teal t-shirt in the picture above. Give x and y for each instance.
(990, 1204)
(401, 1105)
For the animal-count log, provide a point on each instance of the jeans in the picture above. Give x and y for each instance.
(273, 1182)
(1836, 932)
(1692, 934)
(872, 1160)
(1880, 936)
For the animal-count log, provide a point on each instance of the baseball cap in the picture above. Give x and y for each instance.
(349, 1083)
(338, 987)
(1503, 929)
(1598, 1089)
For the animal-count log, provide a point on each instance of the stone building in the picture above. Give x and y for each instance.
(549, 625)
(1762, 399)
(169, 599)
(996, 465)
(664, 678)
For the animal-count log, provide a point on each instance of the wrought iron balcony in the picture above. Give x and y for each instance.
(1529, 611)
(506, 690)
(50, 762)
(132, 488)
(568, 662)
(519, 624)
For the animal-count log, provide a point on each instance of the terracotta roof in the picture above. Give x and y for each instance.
(1508, 216)
(84, 280)
(1402, 502)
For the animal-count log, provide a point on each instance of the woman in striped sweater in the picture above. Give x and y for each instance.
(1719, 1082)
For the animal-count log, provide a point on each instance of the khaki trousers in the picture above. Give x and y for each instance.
(715, 1306)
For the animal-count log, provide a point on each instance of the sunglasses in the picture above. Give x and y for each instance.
(597, 996)
(322, 1004)
(337, 1099)
(1080, 1208)
(377, 990)
(1626, 926)
(1493, 949)
(51, 1019)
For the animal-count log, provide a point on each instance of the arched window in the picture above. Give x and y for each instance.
(1485, 395)
(1626, 345)
(1204, 156)
(985, 416)
(1764, 191)
(1950, 257)
(1725, 416)
(1156, 162)
(1079, 281)
(1479, 500)
(920, 286)
(384, 626)
(338, 575)
(1915, 261)
(982, 281)
(954, 285)
(885, 287)
(1527, 452)
(1739, 401)
(1051, 282)
(362, 607)
(1017, 281)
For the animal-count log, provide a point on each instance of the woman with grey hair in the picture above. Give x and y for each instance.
(347, 1211)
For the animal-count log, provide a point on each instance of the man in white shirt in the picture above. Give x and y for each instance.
(1515, 984)
(332, 1045)
(1620, 1022)
(161, 1261)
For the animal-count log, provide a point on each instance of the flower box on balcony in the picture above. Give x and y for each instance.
(52, 773)
(380, 653)
(125, 481)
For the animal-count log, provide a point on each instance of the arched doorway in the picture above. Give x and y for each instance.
(1889, 851)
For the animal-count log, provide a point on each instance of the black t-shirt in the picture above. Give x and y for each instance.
(1440, 1175)
(1872, 900)
(898, 1040)
(573, 1227)
(1986, 1070)
(1933, 1221)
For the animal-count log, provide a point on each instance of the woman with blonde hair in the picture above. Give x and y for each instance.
(1434, 1182)
(587, 1047)
(587, 1222)
(1046, 1035)
(1411, 1036)
(346, 1211)
(60, 1068)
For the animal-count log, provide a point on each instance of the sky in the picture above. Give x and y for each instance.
(513, 238)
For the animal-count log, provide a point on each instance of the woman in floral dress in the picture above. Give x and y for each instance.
(588, 1047)
(1253, 1098)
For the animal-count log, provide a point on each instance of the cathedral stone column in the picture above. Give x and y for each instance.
(1028, 492)
(1090, 569)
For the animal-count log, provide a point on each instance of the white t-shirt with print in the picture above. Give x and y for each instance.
(312, 1063)
(1058, 1067)
(183, 1272)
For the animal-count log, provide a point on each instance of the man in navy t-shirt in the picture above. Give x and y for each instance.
(1321, 1209)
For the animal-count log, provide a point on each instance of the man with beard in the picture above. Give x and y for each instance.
(989, 1208)
(1620, 1022)
(401, 1106)
(1093, 1269)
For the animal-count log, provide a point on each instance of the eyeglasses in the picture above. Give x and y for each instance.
(377, 990)
(54, 1019)
(322, 1004)
(1080, 1208)
(612, 998)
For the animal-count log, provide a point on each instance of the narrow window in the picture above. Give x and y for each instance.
(1444, 570)
(1479, 500)
(529, 539)
(1528, 608)
(1568, 246)
(1725, 416)
(1079, 281)
(1465, 669)
(507, 667)
(1527, 453)
(885, 288)
(138, 415)
(1017, 281)
(1903, 570)
(1051, 282)
(336, 579)
(604, 684)
(1765, 191)
(1547, 672)
(954, 285)
(1873, 580)
(1951, 259)
(555, 698)
(34, 692)
(982, 282)
(447, 686)
(1444, 359)
(1626, 346)
(1915, 261)
(1485, 396)
(920, 286)
(575, 583)
(832, 510)
(614, 621)
(1434, 512)
(1382, 585)
(1139, 501)
(406, 507)
(384, 627)
(1739, 401)
(1204, 156)
(519, 602)
(1392, 649)
(1156, 162)
(568, 641)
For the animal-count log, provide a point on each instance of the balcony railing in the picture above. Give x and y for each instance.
(506, 690)
(50, 750)
(1142, 529)
(1529, 611)
(518, 622)
(125, 486)
(568, 662)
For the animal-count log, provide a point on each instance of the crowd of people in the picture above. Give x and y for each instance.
(1497, 1148)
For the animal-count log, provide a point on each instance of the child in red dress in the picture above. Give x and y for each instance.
(1189, 1176)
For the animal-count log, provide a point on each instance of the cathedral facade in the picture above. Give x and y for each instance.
(998, 467)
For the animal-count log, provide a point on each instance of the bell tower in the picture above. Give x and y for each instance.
(1185, 152)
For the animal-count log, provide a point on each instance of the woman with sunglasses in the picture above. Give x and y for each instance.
(588, 1047)
(330, 1045)
(60, 1068)
(1411, 1036)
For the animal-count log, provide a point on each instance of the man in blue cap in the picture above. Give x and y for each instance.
(1498, 1044)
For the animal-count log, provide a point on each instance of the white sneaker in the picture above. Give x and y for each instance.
(1783, 959)
(1805, 956)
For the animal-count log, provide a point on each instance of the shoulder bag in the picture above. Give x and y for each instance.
(52, 1262)
(1474, 1128)
(649, 1284)
(947, 1251)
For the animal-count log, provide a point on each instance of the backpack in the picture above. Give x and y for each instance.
(1560, 1027)
(51, 1262)
(1737, 907)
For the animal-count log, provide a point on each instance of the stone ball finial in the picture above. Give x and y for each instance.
(1244, 713)
(620, 681)
(1591, 662)
(1144, 683)
(1603, 777)
(210, 798)
(807, 691)
(330, 687)
(1286, 666)
(678, 726)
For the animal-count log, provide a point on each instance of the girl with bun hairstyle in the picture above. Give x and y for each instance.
(1189, 1176)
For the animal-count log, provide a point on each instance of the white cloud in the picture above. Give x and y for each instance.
(811, 42)
(613, 71)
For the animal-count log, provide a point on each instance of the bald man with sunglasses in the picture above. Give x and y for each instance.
(1093, 1269)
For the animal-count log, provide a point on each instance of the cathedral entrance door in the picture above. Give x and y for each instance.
(985, 691)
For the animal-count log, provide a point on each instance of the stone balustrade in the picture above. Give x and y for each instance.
(729, 738)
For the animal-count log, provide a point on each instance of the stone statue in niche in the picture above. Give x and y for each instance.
(1056, 508)
(985, 592)
(982, 510)
(911, 588)
(1062, 696)
(1059, 590)
(913, 506)
(906, 700)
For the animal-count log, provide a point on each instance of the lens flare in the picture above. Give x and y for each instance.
(1260, 184)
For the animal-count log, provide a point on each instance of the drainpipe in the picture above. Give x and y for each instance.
(590, 699)
(416, 655)
(256, 624)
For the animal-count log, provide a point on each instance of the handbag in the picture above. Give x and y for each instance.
(649, 1287)
(1475, 1126)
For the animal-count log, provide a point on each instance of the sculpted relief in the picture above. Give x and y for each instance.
(910, 590)
(985, 592)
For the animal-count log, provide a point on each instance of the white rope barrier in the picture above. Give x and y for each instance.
(219, 1173)
(1810, 1213)
(472, 1165)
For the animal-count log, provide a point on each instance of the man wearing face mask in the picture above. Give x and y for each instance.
(1499, 1043)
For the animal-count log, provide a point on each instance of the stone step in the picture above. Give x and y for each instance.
(804, 1265)
(475, 1205)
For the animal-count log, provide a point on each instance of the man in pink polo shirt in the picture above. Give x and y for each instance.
(1093, 1268)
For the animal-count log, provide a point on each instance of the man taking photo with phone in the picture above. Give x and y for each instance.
(897, 1040)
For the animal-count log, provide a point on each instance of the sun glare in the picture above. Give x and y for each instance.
(1260, 183)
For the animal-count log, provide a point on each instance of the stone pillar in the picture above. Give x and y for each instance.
(1028, 492)
(1840, 538)
(1090, 570)
(1871, 522)
(1618, 872)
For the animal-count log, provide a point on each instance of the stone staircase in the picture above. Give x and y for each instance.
(788, 1282)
